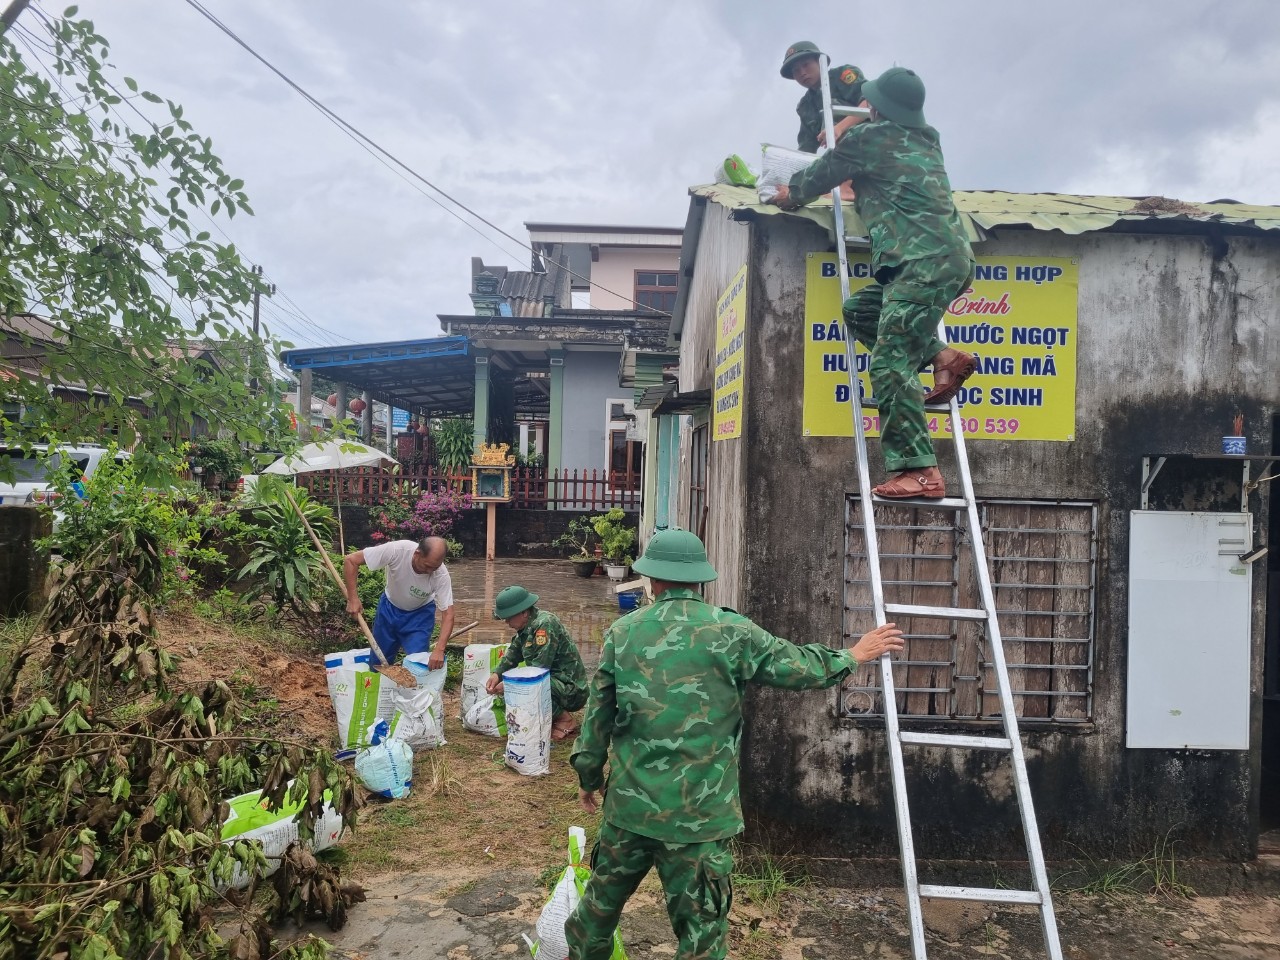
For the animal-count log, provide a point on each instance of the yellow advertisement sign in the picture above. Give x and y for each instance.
(731, 340)
(1019, 320)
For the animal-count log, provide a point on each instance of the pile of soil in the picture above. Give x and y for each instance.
(1150, 205)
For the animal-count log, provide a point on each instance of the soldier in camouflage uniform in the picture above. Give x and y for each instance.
(920, 257)
(666, 711)
(800, 63)
(541, 641)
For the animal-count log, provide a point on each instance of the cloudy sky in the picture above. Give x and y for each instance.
(606, 112)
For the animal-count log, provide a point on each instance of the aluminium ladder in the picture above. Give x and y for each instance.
(1010, 743)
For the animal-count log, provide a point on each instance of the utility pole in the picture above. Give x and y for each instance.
(11, 14)
(257, 300)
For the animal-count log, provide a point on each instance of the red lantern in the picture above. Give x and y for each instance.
(332, 400)
(357, 406)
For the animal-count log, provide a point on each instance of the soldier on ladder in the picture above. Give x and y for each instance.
(920, 258)
(921, 261)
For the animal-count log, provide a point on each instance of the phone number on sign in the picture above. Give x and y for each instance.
(991, 426)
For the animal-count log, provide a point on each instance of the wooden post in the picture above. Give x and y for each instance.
(491, 529)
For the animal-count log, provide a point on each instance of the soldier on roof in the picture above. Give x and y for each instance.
(801, 63)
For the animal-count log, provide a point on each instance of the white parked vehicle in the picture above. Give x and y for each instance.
(33, 467)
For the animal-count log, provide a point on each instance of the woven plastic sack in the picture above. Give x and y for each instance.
(734, 171)
(527, 691)
(777, 166)
(478, 661)
(488, 715)
(249, 819)
(362, 696)
(386, 767)
(550, 943)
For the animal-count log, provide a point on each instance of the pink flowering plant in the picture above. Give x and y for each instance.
(433, 515)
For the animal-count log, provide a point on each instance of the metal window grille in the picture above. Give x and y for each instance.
(1043, 557)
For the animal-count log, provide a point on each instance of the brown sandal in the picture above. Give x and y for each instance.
(910, 485)
(960, 367)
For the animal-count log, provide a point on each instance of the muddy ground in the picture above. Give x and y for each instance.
(460, 868)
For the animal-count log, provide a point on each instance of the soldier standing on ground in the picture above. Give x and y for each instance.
(921, 260)
(541, 641)
(666, 711)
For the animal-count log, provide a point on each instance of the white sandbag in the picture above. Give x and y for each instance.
(386, 767)
(777, 167)
(551, 943)
(488, 715)
(249, 819)
(478, 661)
(527, 692)
(361, 697)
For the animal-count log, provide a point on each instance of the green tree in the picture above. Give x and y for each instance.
(97, 238)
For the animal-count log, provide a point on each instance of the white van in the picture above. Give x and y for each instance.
(33, 466)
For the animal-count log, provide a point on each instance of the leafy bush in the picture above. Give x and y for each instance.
(219, 458)
(616, 537)
(191, 530)
(284, 560)
(453, 441)
(578, 538)
(112, 796)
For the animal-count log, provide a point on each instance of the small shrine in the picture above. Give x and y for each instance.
(491, 467)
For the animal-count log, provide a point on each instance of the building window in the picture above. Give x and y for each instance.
(656, 290)
(625, 460)
(698, 481)
(1043, 559)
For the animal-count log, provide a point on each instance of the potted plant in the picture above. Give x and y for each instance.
(616, 540)
(577, 538)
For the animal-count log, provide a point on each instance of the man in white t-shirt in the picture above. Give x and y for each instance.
(418, 585)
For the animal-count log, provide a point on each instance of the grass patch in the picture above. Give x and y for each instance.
(760, 944)
(762, 879)
(439, 778)
(1156, 872)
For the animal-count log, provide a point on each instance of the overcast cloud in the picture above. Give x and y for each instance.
(607, 112)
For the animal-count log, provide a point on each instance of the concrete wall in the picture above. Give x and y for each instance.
(1175, 333)
(613, 276)
(722, 251)
(590, 378)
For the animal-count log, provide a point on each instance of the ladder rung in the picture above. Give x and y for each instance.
(940, 503)
(981, 894)
(945, 613)
(870, 404)
(956, 740)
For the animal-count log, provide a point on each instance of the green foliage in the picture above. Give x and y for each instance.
(219, 457)
(96, 224)
(454, 442)
(578, 538)
(283, 560)
(763, 879)
(616, 537)
(189, 529)
(112, 790)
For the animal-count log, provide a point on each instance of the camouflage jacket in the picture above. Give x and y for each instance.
(903, 194)
(668, 697)
(544, 642)
(846, 88)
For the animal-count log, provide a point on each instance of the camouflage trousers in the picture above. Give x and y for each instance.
(695, 879)
(567, 695)
(898, 322)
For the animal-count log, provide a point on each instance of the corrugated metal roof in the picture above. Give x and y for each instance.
(986, 209)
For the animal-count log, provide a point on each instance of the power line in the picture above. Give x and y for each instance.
(371, 146)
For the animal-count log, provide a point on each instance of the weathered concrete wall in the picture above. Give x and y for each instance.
(722, 251)
(1174, 334)
(23, 570)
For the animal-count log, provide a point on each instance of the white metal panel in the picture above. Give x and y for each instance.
(1189, 631)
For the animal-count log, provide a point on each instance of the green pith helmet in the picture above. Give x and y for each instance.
(511, 601)
(798, 51)
(899, 95)
(676, 556)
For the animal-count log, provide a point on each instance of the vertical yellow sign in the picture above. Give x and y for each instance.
(1018, 318)
(731, 340)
